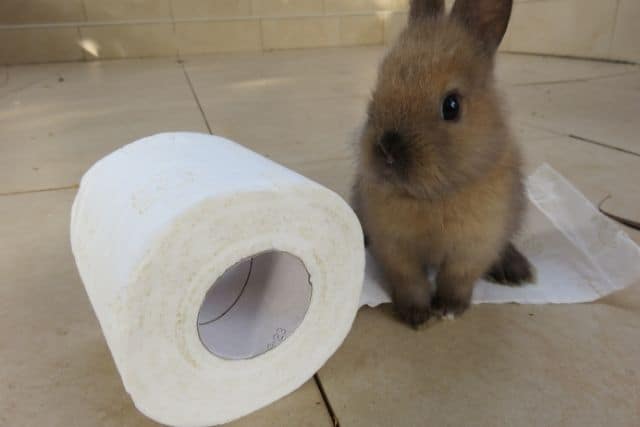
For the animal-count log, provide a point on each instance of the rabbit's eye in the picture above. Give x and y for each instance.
(451, 107)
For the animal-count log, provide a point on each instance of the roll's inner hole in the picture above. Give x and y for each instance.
(255, 305)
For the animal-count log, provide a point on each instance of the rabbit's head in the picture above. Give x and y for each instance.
(435, 121)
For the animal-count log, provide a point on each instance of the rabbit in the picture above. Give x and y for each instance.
(438, 181)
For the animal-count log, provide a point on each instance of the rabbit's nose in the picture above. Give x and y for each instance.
(390, 144)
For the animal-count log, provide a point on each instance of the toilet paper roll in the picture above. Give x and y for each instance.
(221, 280)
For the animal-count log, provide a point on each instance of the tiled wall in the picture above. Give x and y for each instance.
(63, 30)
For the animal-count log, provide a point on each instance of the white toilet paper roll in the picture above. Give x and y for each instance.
(156, 224)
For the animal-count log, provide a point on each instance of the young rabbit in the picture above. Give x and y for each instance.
(439, 184)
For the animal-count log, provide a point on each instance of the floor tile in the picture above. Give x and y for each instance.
(496, 366)
(626, 32)
(604, 110)
(300, 74)
(292, 107)
(594, 170)
(291, 131)
(53, 127)
(522, 69)
(56, 368)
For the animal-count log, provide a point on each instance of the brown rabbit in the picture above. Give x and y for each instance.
(439, 184)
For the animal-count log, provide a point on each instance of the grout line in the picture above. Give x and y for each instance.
(602, 144)
(26, 86)
(42, 190)
(261, 25)
(173, 27)
(195, 97)
(325, 399)
(613, 30)
(575, 58)
(580, 80)
(85, 14)
(5, 81)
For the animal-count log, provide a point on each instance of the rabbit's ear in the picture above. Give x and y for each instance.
(425, 8)
(487, 19)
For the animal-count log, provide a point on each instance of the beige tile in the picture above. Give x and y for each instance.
(594, 170)
(188, 9)
(218, 36)
(285, 75)
(57, 125)
(35, 45)
(287, 7)
(300, 32)
(294, 106)
(495, 366)
(524, 133)
(127, 10)
(563, 27)
(626, 39)
(518, 69)
(40, 11)
(298, 63)
(290, 131)
(394, 24)
(605, 110)
(57, 370)
(505, 44)
(304, 407)
(340, 6)
(128, 41)
(267, 85)
(361, 30)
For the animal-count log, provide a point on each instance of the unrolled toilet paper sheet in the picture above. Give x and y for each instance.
(580, 255)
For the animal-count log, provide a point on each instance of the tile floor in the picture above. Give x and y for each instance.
(498, 365)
